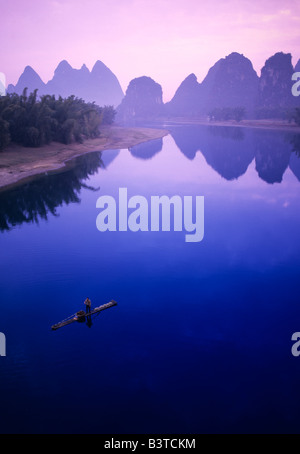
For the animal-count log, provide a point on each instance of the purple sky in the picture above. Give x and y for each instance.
(164, 39)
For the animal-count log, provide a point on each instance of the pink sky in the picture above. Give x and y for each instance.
(164, 39)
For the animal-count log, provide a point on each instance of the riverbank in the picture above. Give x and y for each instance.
(19, 164)
(260, 124)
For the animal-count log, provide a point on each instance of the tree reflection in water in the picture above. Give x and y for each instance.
(33, 201)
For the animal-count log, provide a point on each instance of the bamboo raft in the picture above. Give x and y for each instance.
(80, 316)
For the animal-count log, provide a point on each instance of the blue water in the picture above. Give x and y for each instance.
(200, 341)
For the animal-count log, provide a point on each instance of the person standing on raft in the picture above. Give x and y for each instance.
(88, 305)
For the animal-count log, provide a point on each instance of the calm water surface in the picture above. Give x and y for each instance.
(200, 341)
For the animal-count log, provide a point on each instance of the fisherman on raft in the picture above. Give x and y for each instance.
(88, 305)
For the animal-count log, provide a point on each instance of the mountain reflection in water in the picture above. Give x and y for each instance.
(230, 150)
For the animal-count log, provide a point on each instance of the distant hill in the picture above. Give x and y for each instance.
(100, 85)
(142, 101)
(275, 85)
(231, 82)
(187, 99)
(30, 79)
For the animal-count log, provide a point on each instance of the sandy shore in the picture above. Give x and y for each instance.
(19, 164)
(260, 124)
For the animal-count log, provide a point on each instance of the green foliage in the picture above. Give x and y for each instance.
(227, 113)
(264, 113)
(293, 115)
(296, 116)
(4, 134)
(239, 113)
(295, 141)
(109, 114)
(32, 123)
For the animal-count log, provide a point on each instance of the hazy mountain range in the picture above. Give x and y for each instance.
(231, 82)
